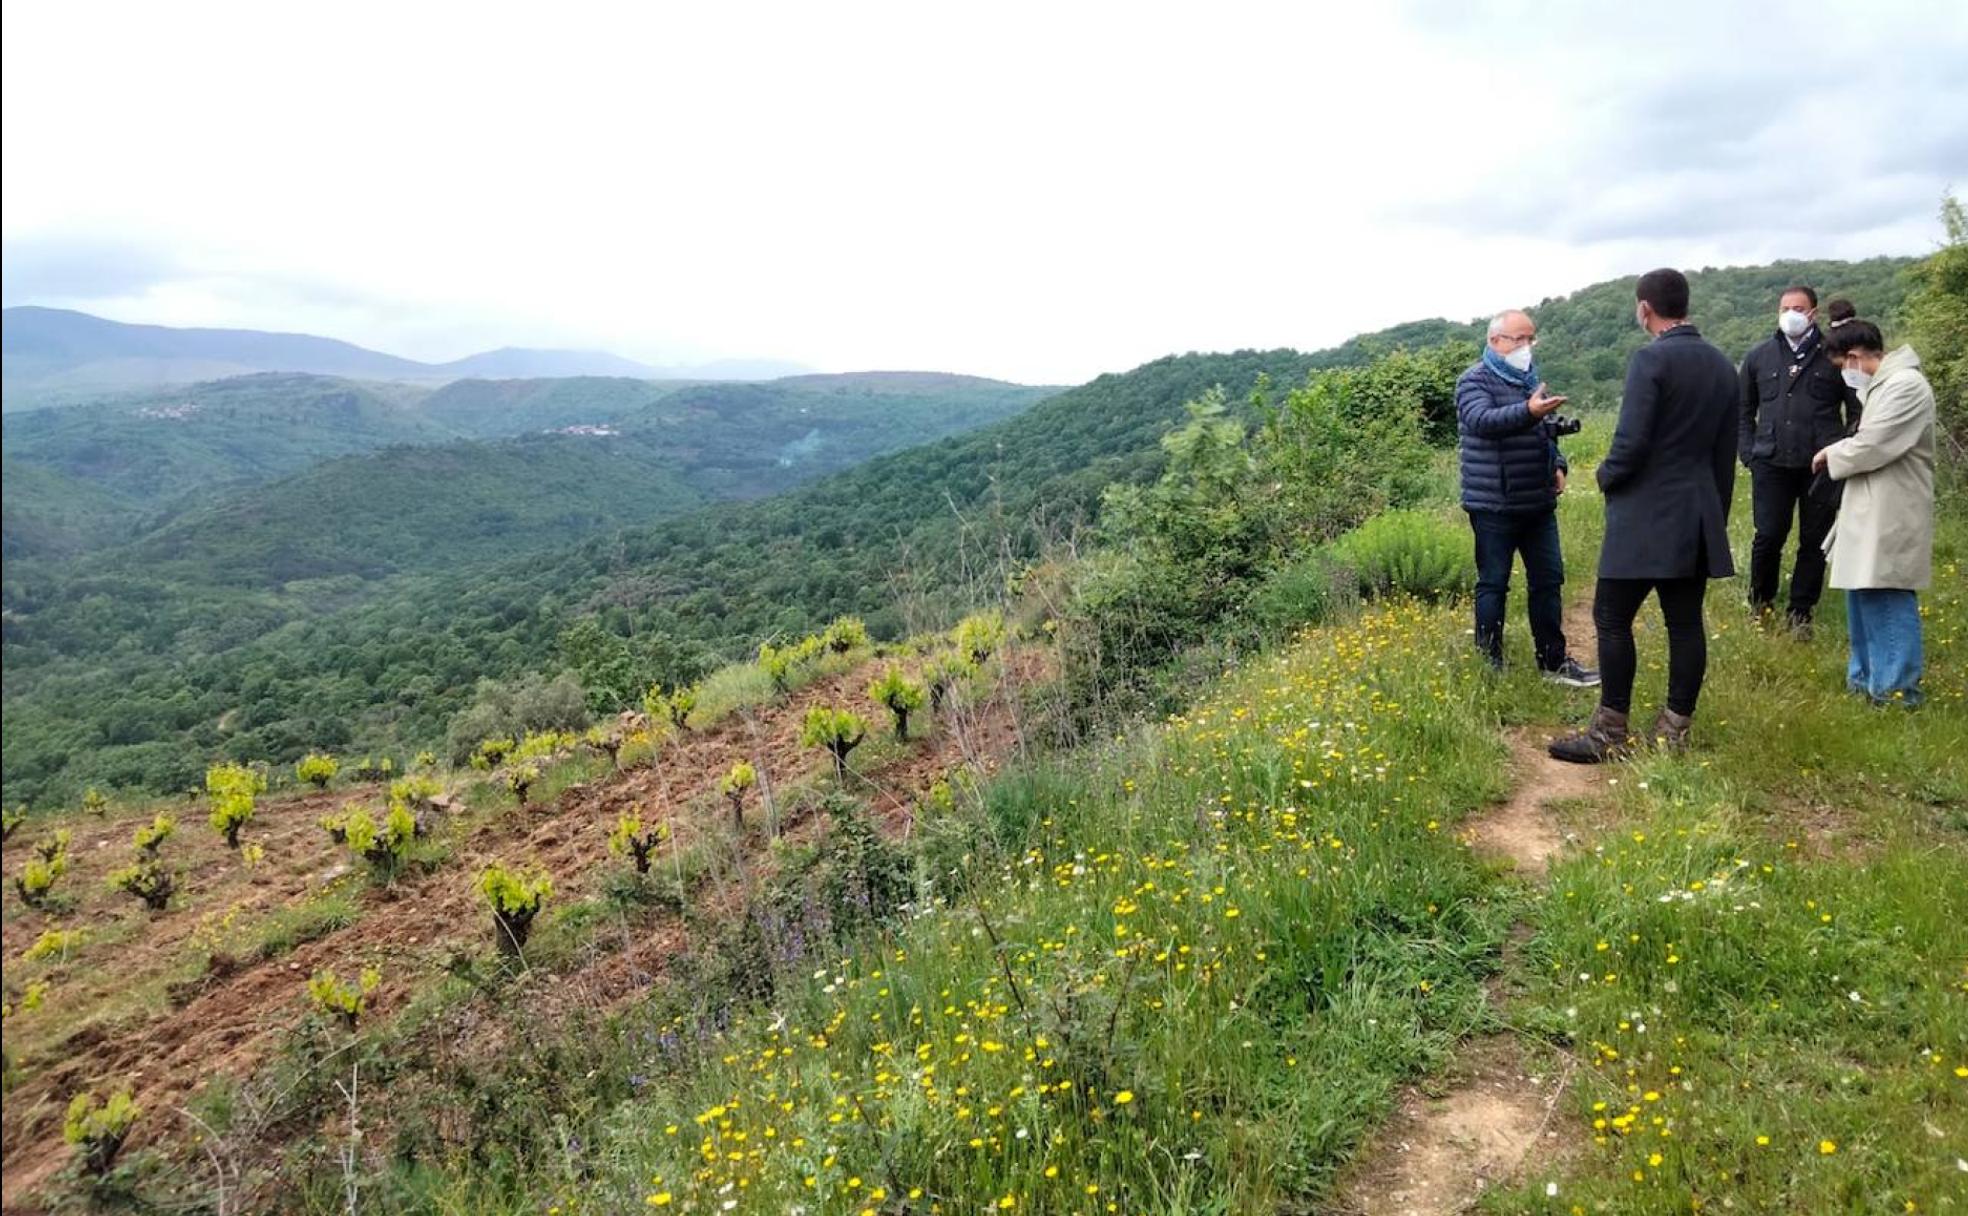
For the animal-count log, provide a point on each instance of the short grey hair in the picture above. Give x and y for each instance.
(1496, 322)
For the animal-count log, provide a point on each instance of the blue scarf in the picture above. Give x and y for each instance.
(1526, 379)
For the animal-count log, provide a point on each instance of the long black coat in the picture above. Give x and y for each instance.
(1672, 469)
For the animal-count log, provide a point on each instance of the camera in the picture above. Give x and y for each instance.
(1558, 426)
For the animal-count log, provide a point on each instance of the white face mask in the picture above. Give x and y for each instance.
(1793, 323)
(1857, 380)
(1520, 358)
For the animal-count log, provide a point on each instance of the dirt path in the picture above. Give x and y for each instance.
(1445, 1146)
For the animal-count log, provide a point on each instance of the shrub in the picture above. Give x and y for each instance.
(520, 779)
(347, 1002)
(233, 788)
(1408, 553)
(945, 672)
(426, 759)
(978, 636)
(840, 731)
(544, 745)
(151, 837)
(336, 825)
(317, 769)
(679, 706)
(845, 634)
(778, 662)
(372, 769)
(148, 880)
(900, 694)
(1306, 592)
(516, 899)
(36, 880)
(54, 943)
(94, 802)
(629, 840)
(492, 752)
(606, 741)
(415, 791)
(733, 786)
(98, 1132)
(383, 846)
(10, 821)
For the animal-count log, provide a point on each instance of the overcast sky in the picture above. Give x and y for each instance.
(1040, 192)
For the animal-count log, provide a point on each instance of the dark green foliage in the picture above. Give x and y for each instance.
(502, 710)
(1937, 327)
(1416, 553)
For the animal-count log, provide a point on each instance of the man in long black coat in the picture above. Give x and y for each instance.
(1668, 480)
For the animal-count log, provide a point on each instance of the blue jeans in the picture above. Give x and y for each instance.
(1500, 536)
(1886, 658)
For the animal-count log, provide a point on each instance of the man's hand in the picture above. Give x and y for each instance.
(1558, 481)
(1542, 405)
(1819, 461)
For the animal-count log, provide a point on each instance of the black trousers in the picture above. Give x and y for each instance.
(1776, 496)
(1615, 602)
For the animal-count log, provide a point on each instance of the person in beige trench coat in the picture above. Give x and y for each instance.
(1882, 546)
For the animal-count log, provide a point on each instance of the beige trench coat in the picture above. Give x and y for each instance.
(1884, 537)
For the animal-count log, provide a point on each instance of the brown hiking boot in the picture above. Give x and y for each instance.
(1671, 730)
(1604, 738)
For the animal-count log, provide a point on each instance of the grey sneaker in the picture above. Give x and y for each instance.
(1571, 675)
(1603, 739)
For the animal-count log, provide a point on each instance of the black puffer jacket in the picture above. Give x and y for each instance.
(1787, 416)
(1508, 459)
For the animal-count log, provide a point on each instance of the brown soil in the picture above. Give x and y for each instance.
(228, 1018)
(1438, 1155)
(1522, 829)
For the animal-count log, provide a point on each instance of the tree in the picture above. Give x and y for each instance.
(840, 731)
(233, 788)
(900, 694)
(1937, 325)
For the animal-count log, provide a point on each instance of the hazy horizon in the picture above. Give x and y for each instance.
(1030, 194)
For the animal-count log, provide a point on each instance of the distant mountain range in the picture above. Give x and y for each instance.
(52, 355)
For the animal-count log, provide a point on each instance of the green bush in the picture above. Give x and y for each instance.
(900, 694)
(1415, 553)
(150, 837)
(733, 785)
(346, 1002)
(36, 881)
(148, 880)
(631, 841)
(515, 898)
(98, 1132)
(840, 731)
(233, 788)
(1305, 592)
(317, 769)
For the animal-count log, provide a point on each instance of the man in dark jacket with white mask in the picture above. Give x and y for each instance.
(1512, 475)
(1794, 403)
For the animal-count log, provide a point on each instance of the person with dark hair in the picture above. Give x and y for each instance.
(1667, 481)
(1839, 310)
(1882, 549)
(1792, 402)
(1512, 475)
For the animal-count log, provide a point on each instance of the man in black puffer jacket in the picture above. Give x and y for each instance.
(1794, 403)
(1512, 475)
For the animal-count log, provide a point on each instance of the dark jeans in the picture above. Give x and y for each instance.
(1776, 495)
(1615, 603)
(1500, 536)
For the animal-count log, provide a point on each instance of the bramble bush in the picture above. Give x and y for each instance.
(98, 1131)
(516, 898)
(233, 788)
(317, 769)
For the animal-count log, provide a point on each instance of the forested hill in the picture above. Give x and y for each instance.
(128, 680)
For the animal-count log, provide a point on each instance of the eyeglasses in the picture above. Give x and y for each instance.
(1520, 339)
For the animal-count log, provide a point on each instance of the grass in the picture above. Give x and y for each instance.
(316, 917)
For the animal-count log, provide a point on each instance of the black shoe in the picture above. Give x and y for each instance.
(1571, 675)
